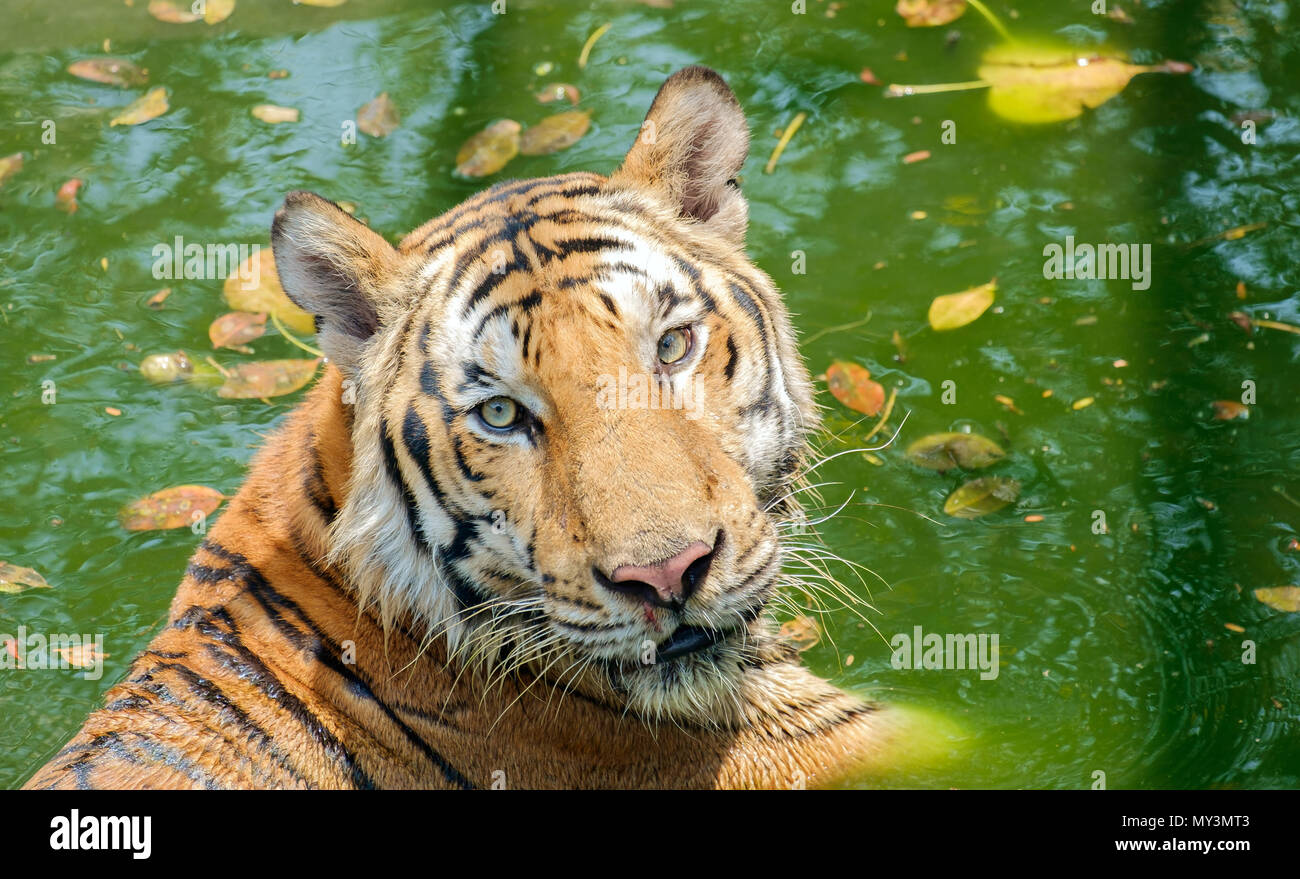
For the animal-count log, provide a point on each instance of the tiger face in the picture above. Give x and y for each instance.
(576, 410)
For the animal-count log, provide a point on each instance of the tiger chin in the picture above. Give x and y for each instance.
(458, 564)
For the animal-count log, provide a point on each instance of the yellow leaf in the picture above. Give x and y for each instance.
(14, 578)
(929, 13)
(267, 378)
(981, 496)
(166, 10)
(151, 106)
(1283, 598)
(801, 631)
(9, 166)
(273, 114)
(215, 11)
(958, 309)
(555, 133)
(267, 294)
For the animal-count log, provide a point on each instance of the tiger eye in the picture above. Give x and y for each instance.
(499, 412)
(674, 345)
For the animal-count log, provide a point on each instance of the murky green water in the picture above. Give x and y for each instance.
(1114, 655)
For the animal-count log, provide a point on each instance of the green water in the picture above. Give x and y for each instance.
(1114, 656)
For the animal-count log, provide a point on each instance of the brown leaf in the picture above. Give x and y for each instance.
(267, 294)
(1283, 598)
(555, 133)
(170, 508)
(166, 10)
(1227, 410)
(267, 378)
(273, 114)
(851, 384)
(156, 300)
(930, 13)
(803, 632)
(151, 106)
(982, 496)
(488, 151)
(379, 117)
(918, 156)
(236, 328)
(958, 309)
(110, 71)
(557, 91)
(14, 578)
(943, 451)
(81, 655)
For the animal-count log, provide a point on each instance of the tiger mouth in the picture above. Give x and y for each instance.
(689, 639)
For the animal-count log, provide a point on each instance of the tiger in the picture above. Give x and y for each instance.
(463, 561)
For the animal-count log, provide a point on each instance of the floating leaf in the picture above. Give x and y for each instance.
(1227, 410)
(267, 294)
(66, 198)
(943, 451)
(929, 13)
(488, 151)
(851, 384)
(558, 91)
(1082, 403)
(802, 632)
(982, 496)
(156, 300)
(379, 117)
(328, 3)
(166, 10)
(175, 366)
(15, 578)
(169, 508)
(9, 166)
(215, 11)
(236, 328)
(958, 309)
(1046, 84)
(1283, 598)
(151, 106)
(110, 71)
(273, 114)
(268, 378)
(82, 655)
(555, 133)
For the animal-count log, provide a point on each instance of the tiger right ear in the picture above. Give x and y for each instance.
(334, 267)
(689, 151)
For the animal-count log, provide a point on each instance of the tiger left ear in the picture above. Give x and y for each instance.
(335, 268)
(691, 147)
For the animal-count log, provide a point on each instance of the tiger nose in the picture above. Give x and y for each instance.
(668, 583)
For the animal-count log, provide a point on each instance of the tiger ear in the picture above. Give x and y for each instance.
(334, 267)
(690, 149)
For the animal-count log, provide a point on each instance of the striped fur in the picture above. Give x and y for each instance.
(400, 596)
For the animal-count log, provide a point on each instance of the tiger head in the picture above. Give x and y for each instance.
(579, 413)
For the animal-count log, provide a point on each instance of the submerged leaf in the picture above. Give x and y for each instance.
(851, 384)
(803, 632)
(1227, 410)
(175, 366)
(151, 106)
(273, 113)
(267, 378)
(66, 198)
(557, 91)
(1283, 598)
(15, 578)
(215, 11)
(166, 10)
(979, 497)
(235, 328)
(169, 508)
(9, 166)
(555, 133)
(267, 294)
(943, 451)
(488, 151)
(379, 117)
(1038, 84)
(958, 309)
(929, 13)
(110, 71)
